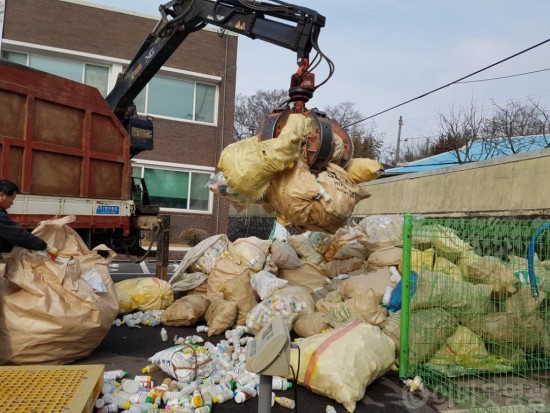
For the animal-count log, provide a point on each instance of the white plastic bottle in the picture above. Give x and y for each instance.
(223, 396)
(387, 295)
(109, 408)
(285, 402)
(202, 329)
(119, 401)
(164, 334)
(114, 374)
(190, 388)
(142, 407)
(395, 276)
(138, 398)
(244, 393)
(130, 386)
(280, 383)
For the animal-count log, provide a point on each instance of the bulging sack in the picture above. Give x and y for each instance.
(314, 203)
(250, 164)
(56, 312)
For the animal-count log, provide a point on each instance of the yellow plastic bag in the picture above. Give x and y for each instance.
(250, 164)
(364, 169)
(146, 293)
(340, 364)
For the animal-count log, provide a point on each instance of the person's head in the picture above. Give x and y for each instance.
(8, 191)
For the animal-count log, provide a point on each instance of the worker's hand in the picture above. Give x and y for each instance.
(52, 252)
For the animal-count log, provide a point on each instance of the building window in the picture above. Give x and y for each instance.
(204, 103)
(20, 58)
(98, 77)
(89, 74)
(64, 68)
(177, 189)
(179, 99)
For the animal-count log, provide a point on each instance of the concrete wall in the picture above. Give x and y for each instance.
(517, 185)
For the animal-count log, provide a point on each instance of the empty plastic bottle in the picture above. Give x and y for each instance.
(244, 393)
(114, 374)
(142, 407)
(119, 401)
(285, 402)
(280, 383)
(197, 400)
(150, 368)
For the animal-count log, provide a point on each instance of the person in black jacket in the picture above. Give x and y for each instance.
(11, 233)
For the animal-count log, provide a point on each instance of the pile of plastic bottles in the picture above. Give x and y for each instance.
(228, 380)
(268, 309)
(146, 318)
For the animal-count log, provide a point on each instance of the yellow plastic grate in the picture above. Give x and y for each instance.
(50, 389)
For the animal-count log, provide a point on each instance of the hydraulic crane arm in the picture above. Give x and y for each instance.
(286, 25)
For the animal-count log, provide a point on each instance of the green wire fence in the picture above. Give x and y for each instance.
(475, 319)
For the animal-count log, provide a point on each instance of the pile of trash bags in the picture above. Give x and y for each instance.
(326, 287)
(467, 310)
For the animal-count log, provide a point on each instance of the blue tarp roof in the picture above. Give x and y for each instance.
(475, 151)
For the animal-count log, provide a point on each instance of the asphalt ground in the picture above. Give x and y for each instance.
(130, 348)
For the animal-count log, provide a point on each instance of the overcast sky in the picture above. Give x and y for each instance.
(389, 51)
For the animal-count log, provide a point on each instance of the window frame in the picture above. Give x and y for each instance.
(81, 62)
(143, 164)
(195, 82)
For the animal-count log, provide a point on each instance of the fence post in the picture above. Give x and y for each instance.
(163, 247)
(405, 298)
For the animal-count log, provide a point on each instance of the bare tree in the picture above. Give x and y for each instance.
(250, 109)
(458, 132)
(366, 139)
(414, 150)
(514, 120)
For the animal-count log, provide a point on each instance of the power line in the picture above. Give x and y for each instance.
(451, 83)
(505, 77)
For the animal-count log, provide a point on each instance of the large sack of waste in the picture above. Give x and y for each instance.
(289, 302)
(220, 316)
(251, 252)
(304, 249)
(432, 328)
(250, 164)
(225, 270)
(342, 310)
(382, 232)
(144, 294)
(284, 256)
(518, 325)
(308, 275)
(239, 290)
(185, 311)
(311, 324)
(55, 312)
(198, 262)
(463, 348)
(322, 202)
(341, 363)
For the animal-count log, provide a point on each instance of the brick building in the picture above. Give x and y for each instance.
(191, 98)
